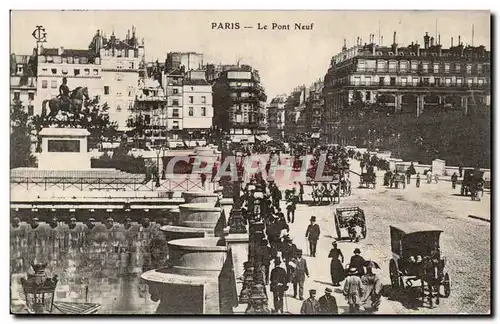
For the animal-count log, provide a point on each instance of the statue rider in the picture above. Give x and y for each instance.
(64, 94)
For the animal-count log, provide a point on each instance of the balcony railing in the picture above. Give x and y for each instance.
(419, 84)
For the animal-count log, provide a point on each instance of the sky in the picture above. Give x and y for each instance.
(284, 58)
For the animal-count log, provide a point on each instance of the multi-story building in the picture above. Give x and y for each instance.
(314, 109)
(174, 81)
(276, 117)
(23, 81)
(239, 104)
(405, 80)
(294, 113)
(120, 65)
(189, 60)
(81, 68)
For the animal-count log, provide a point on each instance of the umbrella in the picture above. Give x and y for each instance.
(374, 264)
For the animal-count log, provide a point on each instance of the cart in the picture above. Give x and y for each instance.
(417, 263)
(346, 218)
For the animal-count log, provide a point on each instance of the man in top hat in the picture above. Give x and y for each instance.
(353, 290)
(300, 273)
(54, 222)
(279, 284)
(328, 303)
(310, 305)
(91, 223)
(312, 234)
(72, 223)
(288, 251)
(127, 223)
(110, 222)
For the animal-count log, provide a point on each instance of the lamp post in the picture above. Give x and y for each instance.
(39, 290)
(157, 166)
(163, 163)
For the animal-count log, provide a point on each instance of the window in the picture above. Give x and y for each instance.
(44, 70)
(436, 67)
(119, 106)
(437, 81)
(17, 95)
(447, 67)
(392, 66)
(20, 69)
(63, 146)
(469, 68)
(357, 80)
(203, 99)
(381, 66)
(381, 81)
(86, 71)
(77, 71)
(106, 90)
(426, 81)
(175, 102)
(31, 96)
(459, 81)
(457, 67)
(64, 71)
(404, 81)
(479, 68)
(54, 71)
(119, 77)
(191, 111)
(175, 124)
(175, 113)
(415, 81)
(53, 84)
(31, 110)
(393, 81)
(147, 119)
(130, 104)
(95, 71)
(414, 66)
(70, 60)
(191, 99)
(130, 91)
(368, 81)
(368, 96)
(480, 81)
(403, 66)
(203, 111)
(425, 67)
(447, 81)
(361, 66)
(118, 94)
(175, 91)
(131, 65)
(119, 65)
(469, 81)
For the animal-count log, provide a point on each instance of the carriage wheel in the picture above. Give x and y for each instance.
(364, 231)
(393, 272)
(338, 232)
(446, 285)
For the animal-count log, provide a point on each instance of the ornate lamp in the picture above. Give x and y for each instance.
(39, 290)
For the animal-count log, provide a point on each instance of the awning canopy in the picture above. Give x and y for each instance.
(242, 138)
(315, 135)
(263, 138)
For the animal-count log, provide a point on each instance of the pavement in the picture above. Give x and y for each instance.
(465, 243)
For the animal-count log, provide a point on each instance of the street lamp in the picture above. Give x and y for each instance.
(39, 290)
(163, 149)
(157, 166)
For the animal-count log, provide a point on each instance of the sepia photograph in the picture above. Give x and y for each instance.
(273, 162)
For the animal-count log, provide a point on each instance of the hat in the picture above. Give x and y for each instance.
(313, 219)
(128, 219)
(35, 219)
(110, 219)
(328, 290)
(312, 291)
(91, 219)
(334, 242)
(299, 251)
(357, 251)
(72, 219)
(353, 271)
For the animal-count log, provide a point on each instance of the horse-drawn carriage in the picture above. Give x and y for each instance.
(472, 183)
(417, 262)
(367, 178)
(326, 189)
(350, 221)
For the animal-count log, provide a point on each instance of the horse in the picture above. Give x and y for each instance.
(74, 104)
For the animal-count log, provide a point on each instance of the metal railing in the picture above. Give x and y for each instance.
(183, 183)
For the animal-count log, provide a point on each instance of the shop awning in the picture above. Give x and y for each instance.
(315, 135)
(263, 138)
(242, 138)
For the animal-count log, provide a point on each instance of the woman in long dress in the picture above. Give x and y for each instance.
(336, 267)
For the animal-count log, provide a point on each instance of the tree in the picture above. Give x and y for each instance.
(20, 137)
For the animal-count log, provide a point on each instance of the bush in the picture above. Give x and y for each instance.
(383, 165)
(122, 162)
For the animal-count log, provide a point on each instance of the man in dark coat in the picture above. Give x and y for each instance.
(299, 276)
(328, 303)
(357, 262)
(279, 284)
(310, 306)
(312, 234)
(264, 255)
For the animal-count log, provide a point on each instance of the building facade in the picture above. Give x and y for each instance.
(23, 81)
(314, 109)
(405, 80)
(197, 112)
(276, 117)
(239, 104)
(189, 60)
(294, 113)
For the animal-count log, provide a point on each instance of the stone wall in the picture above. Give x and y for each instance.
(97, 265)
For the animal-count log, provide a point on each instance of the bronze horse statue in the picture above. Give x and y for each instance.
(73, 105)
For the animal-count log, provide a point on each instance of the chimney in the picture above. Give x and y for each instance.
(381, 40)
(417, 46)
(373, 48)
(344, 48)
(439, 39)
(426, 40)
(128, 34)
(451, 42)
(432, 41)
(459, 43)
(60, 50)
(394, 38)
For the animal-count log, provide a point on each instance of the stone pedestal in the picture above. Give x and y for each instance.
(238, 243)
(200, 197)
(64, 149)
(226, 204)
(439, 167)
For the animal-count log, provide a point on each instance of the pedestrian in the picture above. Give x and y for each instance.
(373, 287)
(279, 284)
(408, 175)
(264, 255)
(418, 180)
(336, 267)
(436, 178)
(328, 303)
(357, 261)
(291, 207)
(301, 271)
(460, 170)
(312, 234)
(353, 290)
(310, 306)
(301, 192)
(203, 177)
(454, 179)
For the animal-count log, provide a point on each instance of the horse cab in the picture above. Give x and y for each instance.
(417, 263)
(350, 222)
